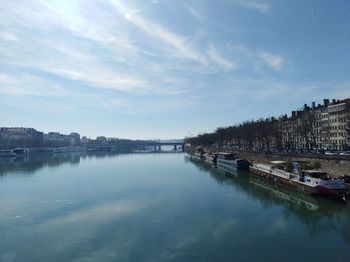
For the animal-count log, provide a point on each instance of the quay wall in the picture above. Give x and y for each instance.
(335, 165)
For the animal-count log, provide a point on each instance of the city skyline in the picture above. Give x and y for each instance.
(163, 70)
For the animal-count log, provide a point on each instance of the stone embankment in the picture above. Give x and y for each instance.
(335, 165)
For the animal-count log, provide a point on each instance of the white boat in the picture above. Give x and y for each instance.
(209, 158)
(311, 181)
(227, 161)
(199, 153)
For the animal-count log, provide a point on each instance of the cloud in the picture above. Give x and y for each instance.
(26, 84)
(256, 60)
(8, 36)
(193, 12)
(219, 59)
(272, 60)
(75, 65)
(177, 42)
(261, 6)
(63, 55)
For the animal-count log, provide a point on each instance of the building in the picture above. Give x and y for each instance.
(84, 140)
(75, 139)
(11, 137)
(101, 140)
(325, 126)
(55, 139)
(338, 123)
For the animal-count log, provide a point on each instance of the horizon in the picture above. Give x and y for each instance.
(289, 114)
(165, 70)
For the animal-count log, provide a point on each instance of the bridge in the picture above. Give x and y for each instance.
(159, 144)
(143, 144)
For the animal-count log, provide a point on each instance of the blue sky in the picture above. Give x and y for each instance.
(166, 68)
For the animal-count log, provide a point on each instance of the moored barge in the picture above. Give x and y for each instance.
(227, 161)
(309, 181)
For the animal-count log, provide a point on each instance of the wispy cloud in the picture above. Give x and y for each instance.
(257, 60)
(272, 60)
(142, 58)
(75, 65)
(179, 43)
(193, 12)
(261, 6)
(25, 84)
(313, 16)
(219, 59)
(8, 36)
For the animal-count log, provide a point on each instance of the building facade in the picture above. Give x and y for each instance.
(55, 139)
(11, 137)
(325, 126)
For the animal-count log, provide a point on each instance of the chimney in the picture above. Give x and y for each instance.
(313, 105)
(325, 102)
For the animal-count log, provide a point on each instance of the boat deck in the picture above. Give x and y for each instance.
(280, 173)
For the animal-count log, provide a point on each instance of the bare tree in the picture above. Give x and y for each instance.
(307, 127)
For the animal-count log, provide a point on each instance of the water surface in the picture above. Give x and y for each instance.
(159, 207)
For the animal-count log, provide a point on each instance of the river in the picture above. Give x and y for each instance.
(159, 207)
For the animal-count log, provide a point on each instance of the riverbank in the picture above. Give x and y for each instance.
(335, 165)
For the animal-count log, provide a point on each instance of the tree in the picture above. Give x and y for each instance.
(306, 127)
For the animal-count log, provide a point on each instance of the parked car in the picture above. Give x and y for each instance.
(330, 153)
(345, 153)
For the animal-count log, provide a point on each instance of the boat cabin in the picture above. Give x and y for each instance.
(316, 174)
(226, 156)
(282, 165)
(315, 177)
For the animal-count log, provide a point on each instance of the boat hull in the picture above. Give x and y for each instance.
(332, 193)
(282, 181)
(242, 164)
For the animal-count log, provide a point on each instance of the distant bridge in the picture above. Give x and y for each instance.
(156, 145)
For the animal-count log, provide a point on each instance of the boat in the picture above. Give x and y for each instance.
(309, 181)
(7, 153)
(209, 158)
(227, 161)
(326, 185)
(199, 153)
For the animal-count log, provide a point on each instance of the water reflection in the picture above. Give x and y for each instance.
(318, 214)
(29, 164)
(102, 206)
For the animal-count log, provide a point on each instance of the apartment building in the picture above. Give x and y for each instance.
(20, 136)
(323, 126)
